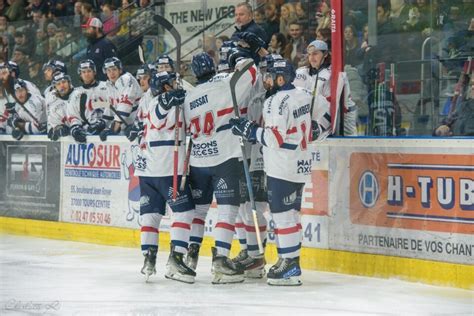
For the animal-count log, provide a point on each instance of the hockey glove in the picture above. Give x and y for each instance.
(255, 43)
(17, 133)
(244, 128)
(134, 131)
(14, 121)
(2, 131)
(171, 98)
(60, 131)
(79, 134)
(10, 107)
(96, 127)
(316, 130)
(106, 133)
(50, 133)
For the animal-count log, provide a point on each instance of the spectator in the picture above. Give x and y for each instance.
(126, 12)
(296, 45)
(58, 7)
(42, 44)
(272, 23)
(38, 20)
(351, 46)
(86, 12)
(301, 15)
(324, 35)
(323, 15)
(51, 30)
(259, 17)
(3, 8)
(21, 58)
(398, 13)
(244, 22)
(277, 44)
(16, 11)
(111, 22)
(34, 73)
(77, 14)
(287, 14)
(220, 40)
(100, 48)
(41, 6)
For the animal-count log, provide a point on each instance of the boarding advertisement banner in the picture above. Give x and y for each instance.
(30, 180)
(413, 202)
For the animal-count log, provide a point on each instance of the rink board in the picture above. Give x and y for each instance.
(376, 207)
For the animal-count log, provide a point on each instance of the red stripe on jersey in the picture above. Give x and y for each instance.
(253, 73)
(277, 136)
(71, 118)
(225, 226)
(287, 231)
(239, 225)
(181, 225)
(126, 101)
(253, 230)
(329, 99)
(198, 221)
(225, 111)
(149, 229)
(243, 111)
(292, 130)
(89, 105)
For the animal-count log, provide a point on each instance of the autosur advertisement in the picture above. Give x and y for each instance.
(414, 202)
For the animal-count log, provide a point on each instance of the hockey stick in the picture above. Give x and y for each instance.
(177, 37)
(460, 85)
(22, 106)
(233, 82)
(186, 165)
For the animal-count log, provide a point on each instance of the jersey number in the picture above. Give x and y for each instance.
(207, 124)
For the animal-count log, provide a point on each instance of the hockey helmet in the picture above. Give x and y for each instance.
(20, 84)
(237, 54)
(203, 65)
(268, 61)
(60, 76)
(145, 69)
(12, 67)
(86, 64)
(283, 68)
(111, 62)
(163, 60)
(224, 55)
(55, 65)
(160, 79)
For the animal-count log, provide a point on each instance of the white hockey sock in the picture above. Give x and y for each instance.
(288, 233)
(240, 228)
(198, 224)
(224, 228)
(252, 242)
(180, 230)
(149, 232)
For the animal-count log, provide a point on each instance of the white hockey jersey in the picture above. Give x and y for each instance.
(124, 95)
(286, 134)
(323, 88)
(32, 88)
(3, 114)
(154, 155)
(57, 110)
(37, 109)
(208, 109)
(95, 107)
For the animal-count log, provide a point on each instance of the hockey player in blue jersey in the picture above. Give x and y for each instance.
(285, 137)
(214, 163)
(153, 135)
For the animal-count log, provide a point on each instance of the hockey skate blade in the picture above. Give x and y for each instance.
(220, 278)
(254, 273)
(180, 278)
(291, 281)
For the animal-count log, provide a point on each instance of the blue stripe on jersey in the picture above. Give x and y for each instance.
(106, 117)
(195, 239)
(243, 241)
(179, 243)
(263, 138)
(30, 128)
(146, 247)
(122, 113)
(327, 116)
(288, 146)
(223, 127)
(158, 143)
(289, 249)
(158, 114)
(223, 244)
(252, 247)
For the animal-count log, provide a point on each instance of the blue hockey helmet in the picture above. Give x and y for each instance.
(12, 67)
(111, 62)
(60, 76)
(160, 79)
(20, 84)
(203, 65)
(224, 52)
(237, 54)
(55, 65)
(268, 61)
(86, 64)
(282, 68)
(162, 61)
(145, 69)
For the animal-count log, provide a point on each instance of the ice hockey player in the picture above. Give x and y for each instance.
(285, 137)
(27, 114)
(3, 112)
(58, 125)
(9, 72)
(214, 163)
(166, 63)
(153, 161)
(124, 94)
(317, 78)
(49, 69)
(88, 106)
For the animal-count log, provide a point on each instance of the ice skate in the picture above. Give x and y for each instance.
(193, 256)
(254, 267)
(243, 254)
(285, 272)
(177, 270)
(149, 264)
(224, 270)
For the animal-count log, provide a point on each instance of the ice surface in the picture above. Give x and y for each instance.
(40, 276)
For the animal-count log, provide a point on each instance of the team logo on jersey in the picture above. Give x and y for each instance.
(221, 185)
(303, 167)
(290, 199)
(144, 200)
(368, 189)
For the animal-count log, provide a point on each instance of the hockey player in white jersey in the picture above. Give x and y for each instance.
(166, 63)
(285, 137)
(27, 115)
(124, 95)
(3, 112)
(58, 125)
(153, 161)
(88, 106)
(9, 72)
(214, 163)
(317, 78)
(49, 69)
